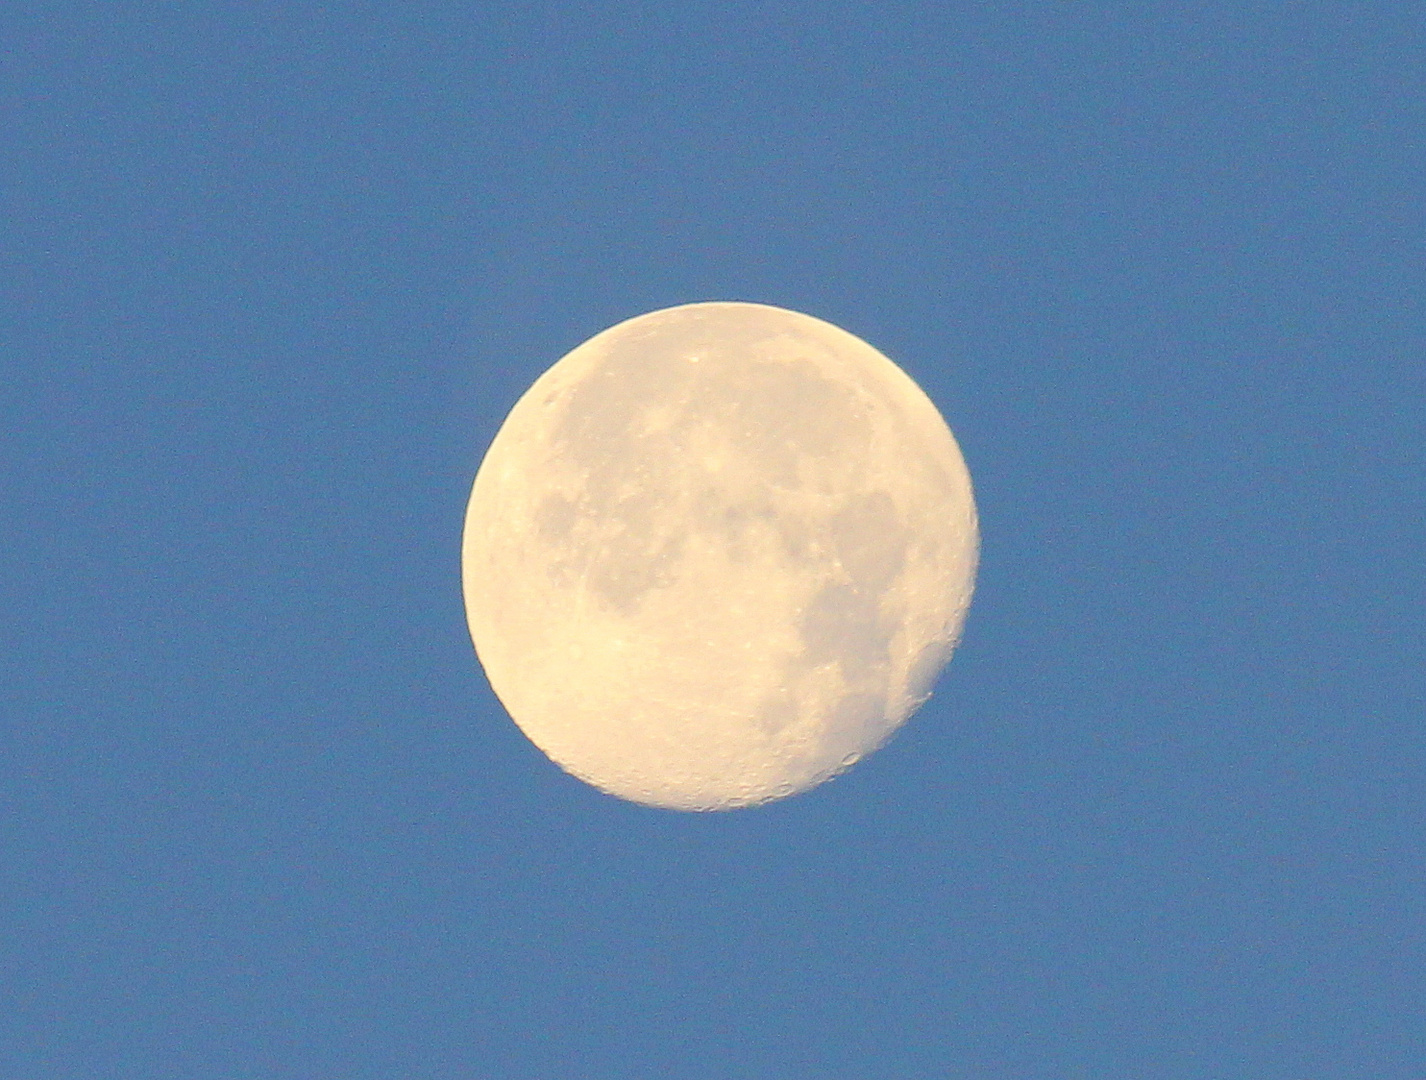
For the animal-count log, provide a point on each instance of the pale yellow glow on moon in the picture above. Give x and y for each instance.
(716, 554)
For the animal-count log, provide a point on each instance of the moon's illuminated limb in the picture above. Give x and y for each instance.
(717, 553)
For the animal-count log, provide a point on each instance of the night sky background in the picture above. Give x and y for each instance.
(271, 275)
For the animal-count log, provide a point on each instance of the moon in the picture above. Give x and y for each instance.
(717, 554)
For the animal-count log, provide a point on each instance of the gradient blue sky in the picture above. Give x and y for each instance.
(271, 274)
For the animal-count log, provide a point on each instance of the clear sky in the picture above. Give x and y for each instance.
(271, 274)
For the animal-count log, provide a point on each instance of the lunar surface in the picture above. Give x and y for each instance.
(716, 554)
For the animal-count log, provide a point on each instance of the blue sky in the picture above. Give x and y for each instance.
(272, 274)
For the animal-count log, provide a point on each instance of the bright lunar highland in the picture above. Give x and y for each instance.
(716, 554)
